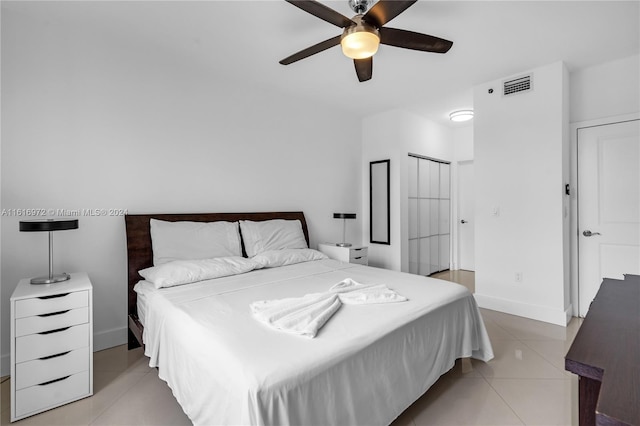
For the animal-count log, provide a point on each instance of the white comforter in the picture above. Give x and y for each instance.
(365, 366)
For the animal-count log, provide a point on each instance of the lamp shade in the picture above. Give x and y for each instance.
(344, 215)
(48, 225)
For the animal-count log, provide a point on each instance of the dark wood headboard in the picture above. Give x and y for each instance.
(140, 255)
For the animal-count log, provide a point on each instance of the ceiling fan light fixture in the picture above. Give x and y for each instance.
(461, 115)
(360, 41)
(362, 34)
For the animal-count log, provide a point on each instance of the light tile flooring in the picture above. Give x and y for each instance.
(524, 384)
(460, 276)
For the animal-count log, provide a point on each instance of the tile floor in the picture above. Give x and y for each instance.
(524, 385)
(460, 276)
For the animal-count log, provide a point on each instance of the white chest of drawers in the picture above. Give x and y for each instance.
(51, 345)
(353, 254)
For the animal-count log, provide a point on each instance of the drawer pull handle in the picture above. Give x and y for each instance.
(57, 330)
(53, 296)
(55, 380)
(358, 258)
(358, 249)
(54, 313)
(54, 356)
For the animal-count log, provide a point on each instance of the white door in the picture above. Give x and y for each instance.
(466, 229)
(608, 206)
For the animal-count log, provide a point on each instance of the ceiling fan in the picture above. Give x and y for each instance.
(363, 33)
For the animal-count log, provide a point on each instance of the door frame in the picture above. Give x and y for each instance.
(574, 127)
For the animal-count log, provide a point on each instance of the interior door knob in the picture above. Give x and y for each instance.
(588, 233)
(463, 221)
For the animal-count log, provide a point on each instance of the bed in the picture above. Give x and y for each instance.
(366, 365)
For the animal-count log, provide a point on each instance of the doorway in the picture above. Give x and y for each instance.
(608, 178)
(466, 216)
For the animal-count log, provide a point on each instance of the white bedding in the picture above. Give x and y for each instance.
(366, 365)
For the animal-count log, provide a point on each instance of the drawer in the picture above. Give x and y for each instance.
(361, 260)
(359, 255)
(45, 344)
(48, 304)
(41, 397)
(358, 252)
(51, 321)
(39, 371)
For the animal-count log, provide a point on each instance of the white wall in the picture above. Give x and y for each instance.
(393, 135)
(92, 121)
(606, 90)
(520, 171)
(463, 142)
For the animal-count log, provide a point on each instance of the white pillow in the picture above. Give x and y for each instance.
(273, 234)
(181, 272)
(193, 240)
(273, 258)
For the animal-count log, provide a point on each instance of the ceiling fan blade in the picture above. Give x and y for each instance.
(316, 48)
(364, 68)
(323, 12)
(385, 10)
(416, 41)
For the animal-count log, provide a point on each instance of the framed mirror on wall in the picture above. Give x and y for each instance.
(379, 202)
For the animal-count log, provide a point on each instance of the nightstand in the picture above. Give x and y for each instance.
(353, 254)
(51, 345)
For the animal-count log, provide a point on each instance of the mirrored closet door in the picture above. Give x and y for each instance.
(429, 211)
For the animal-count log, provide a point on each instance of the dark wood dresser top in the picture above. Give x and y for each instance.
(607, 349)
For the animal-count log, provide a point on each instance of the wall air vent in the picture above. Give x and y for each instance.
(517, 85)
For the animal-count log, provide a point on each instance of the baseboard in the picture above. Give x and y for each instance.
(109, 338)
(569, 313)
(535, 312)
(102, 340)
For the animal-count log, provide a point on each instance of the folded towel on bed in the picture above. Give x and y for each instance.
(305, 315)
(353, 293)
(300, 315)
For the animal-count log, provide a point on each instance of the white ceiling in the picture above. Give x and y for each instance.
(242, 42)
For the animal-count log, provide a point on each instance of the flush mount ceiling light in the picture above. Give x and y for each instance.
(462, 115)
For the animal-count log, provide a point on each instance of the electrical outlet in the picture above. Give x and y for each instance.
(518, 277)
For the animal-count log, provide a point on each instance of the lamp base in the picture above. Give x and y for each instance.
(343, 244)
(51, 279)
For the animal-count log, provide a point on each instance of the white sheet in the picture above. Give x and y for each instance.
(366, 365)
